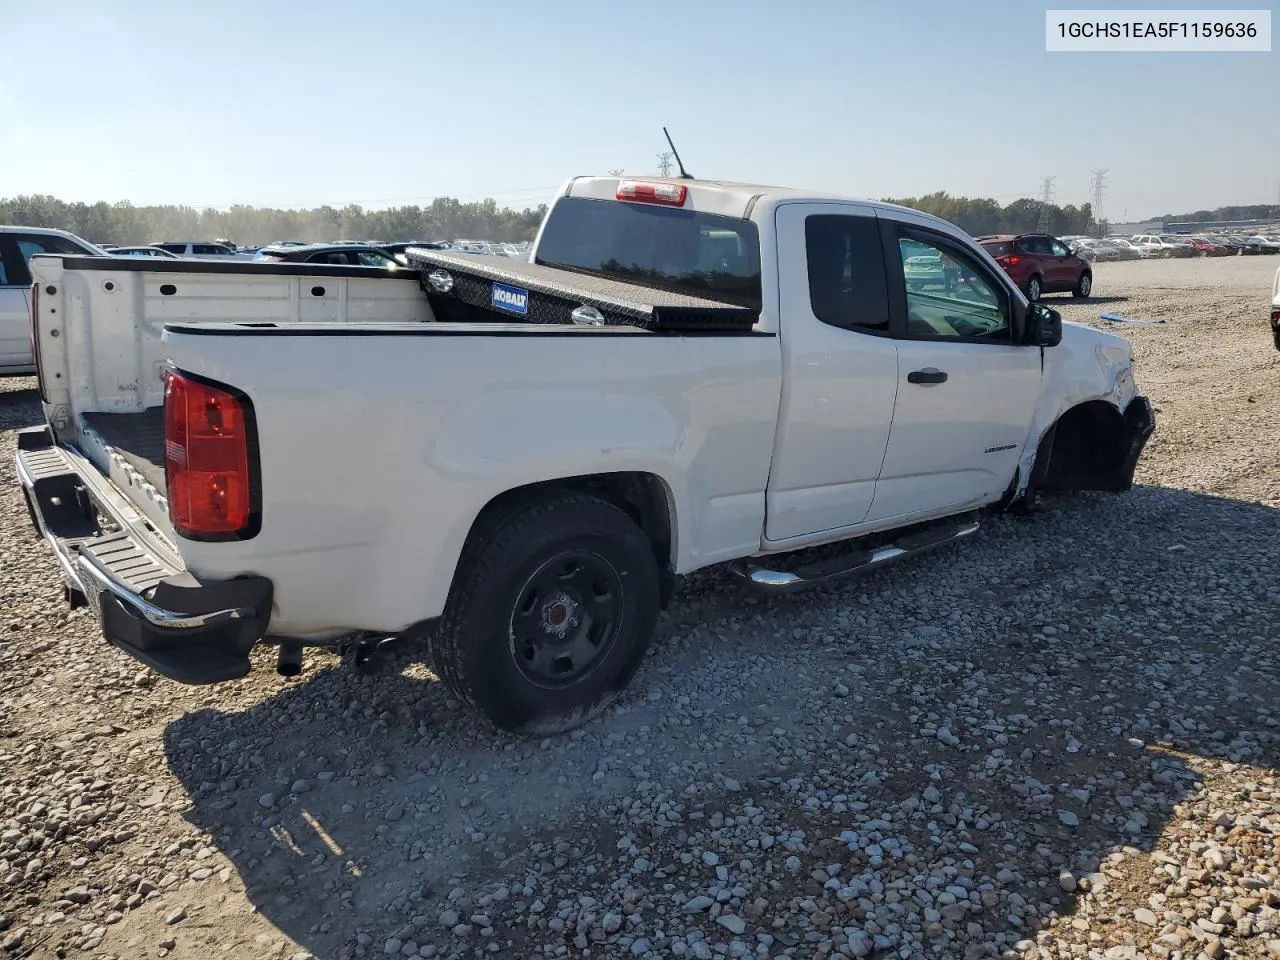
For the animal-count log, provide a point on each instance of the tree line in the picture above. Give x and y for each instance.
(449, 219)
(123, 223)
(1254, 211)
(979, 217)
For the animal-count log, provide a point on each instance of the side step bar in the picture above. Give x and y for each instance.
(773, 580)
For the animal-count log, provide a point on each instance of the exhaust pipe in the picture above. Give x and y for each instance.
(289, 661)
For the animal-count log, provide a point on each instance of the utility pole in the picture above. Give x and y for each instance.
(1097, 187)
(664, 164)
(1046, 200)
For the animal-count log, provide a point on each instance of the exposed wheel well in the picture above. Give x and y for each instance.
(642, 496)
(1085, 450)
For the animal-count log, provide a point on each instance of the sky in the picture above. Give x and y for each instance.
(390, 102)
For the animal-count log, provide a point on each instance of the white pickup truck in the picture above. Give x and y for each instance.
(239, 453)
(1275, 310)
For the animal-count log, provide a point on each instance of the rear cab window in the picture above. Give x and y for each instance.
(998, 248)
(667, 248)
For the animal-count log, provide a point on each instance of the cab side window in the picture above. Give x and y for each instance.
(847, 285)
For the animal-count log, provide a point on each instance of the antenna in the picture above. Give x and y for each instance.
(684, 175)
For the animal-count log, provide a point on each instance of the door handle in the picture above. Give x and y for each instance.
(927, 375)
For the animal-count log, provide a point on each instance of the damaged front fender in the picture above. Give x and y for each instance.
(1091, 425)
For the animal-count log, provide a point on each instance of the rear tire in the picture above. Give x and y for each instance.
(1084, 286)
(1034, 288)
(550, 614)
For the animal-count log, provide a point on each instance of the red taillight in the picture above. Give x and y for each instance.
(1011, 261)
(210, 487)
(667, 194)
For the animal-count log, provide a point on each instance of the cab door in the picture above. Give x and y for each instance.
(967, 388)
(840, 370)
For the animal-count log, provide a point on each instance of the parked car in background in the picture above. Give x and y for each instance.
(1128, 250)
(400, 246)
(1120, 251)
(159, 252)
(1243, 246)
(1164, 248)
(17, 246)
(1148, 247)
(339, 254)
(1205, 247)
(471, 246)
(1265, 244)
(1100, 251)
(396, 250)
(1039, 263)
(202, 250)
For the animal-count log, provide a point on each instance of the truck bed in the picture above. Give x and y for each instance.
(137, 437)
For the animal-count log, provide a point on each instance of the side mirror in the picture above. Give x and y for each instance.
(1044, 326)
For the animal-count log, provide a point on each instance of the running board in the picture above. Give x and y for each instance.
(774, 581)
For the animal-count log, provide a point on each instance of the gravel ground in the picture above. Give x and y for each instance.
(1059, 739)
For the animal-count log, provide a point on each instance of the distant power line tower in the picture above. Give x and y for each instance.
(664, 164)
(1097, 187)
(1046, 201)
(616, 173)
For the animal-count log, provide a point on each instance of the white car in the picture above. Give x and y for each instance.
(1163, 247)
(17, 246)
(518, 460)
(204, 251)
(154, 252)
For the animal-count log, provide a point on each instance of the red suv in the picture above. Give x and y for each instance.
(1040, 264)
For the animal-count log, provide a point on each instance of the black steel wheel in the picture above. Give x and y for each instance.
(566, 619)
(552, 608)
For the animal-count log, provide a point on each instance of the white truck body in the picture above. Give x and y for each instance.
(383, 434)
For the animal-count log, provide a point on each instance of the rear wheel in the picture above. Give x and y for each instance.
(1033, 289)
(1084, 286)
(551, 611)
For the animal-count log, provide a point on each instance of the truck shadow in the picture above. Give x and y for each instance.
(357, 806)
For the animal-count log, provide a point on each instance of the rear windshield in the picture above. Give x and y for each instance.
(684, 251)
(998, 248)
